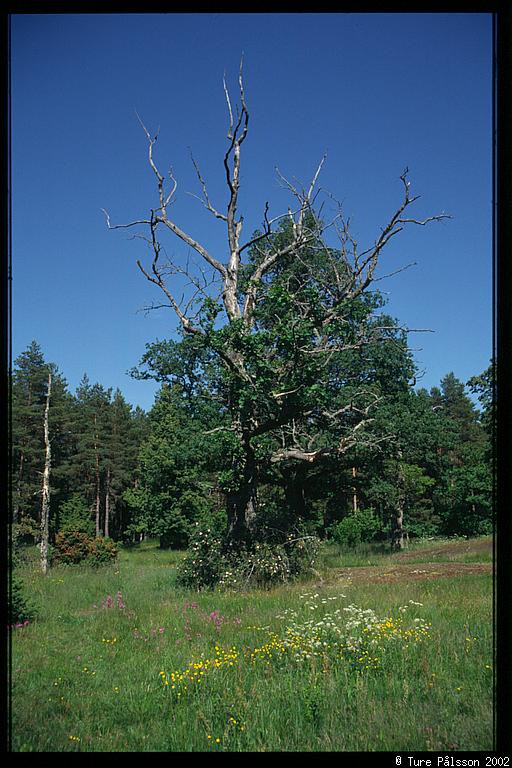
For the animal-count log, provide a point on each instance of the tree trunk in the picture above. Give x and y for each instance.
(45, 507)
(242, 503)
(16, 510)
(398, 533)
(98, 503)
(107, 503)
(294, 492)
(355, 505)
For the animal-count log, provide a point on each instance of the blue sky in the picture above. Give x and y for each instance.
(376, 92)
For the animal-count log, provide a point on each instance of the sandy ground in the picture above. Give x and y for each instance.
(440, 563)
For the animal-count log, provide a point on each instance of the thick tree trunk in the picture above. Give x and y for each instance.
(45, 507)
(242, 503)
(294, 492)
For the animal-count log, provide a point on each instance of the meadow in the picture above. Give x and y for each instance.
(376, 652)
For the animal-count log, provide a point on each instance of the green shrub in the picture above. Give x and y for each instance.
(356, 528)
(263, 563)
(202, 566)
(74, 515)
(74, 547)
(262, 566)
(302, 552)
(19, 608)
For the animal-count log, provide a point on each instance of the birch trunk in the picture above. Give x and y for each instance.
(355, 505)
(45, 507)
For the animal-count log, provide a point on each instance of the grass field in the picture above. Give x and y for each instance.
(121, 660)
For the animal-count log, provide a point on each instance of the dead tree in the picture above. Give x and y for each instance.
(45, 506)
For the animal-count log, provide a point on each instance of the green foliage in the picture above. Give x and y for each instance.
(356, 528)
(467, 504)
(75, 515)
(205, 560)
(29, 388)
(77, 547)
(172, 490)
(261, 563)
(19, 608)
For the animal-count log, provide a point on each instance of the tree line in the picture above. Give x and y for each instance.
(94, 436)
(425, 468)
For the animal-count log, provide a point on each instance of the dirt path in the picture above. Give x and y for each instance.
(379, 574)
(440, 562)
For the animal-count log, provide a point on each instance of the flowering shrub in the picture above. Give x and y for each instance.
(263, 564)
(74, 547)
(203, 564)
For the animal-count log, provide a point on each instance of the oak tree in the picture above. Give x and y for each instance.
(278, 317)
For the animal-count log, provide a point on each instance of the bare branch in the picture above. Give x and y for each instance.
(206, 201)
(193, 244)
(123, 226)
(219, 429)
(164, 202)
(230, 131)
(157, 280)
(396, 271)
(425, 221)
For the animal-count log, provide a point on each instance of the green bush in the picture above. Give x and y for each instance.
(19, 608)
(302, 552)
(74, 515)
(75, 547)
(356, 528)
(263, 563)
(262, 566)
(203, 564)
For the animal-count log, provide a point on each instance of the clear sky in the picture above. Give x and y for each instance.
(377, 92)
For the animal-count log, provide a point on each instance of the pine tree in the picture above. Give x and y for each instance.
(91, 427)
(28, 401)
(29, 390)
(121, 450)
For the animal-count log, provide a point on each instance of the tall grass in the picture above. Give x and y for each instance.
(96, 674)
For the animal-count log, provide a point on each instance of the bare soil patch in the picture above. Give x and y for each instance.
(438, 561)
(378, 574)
